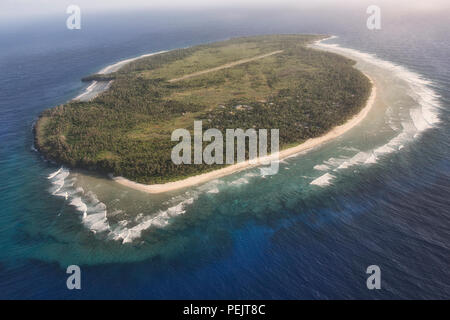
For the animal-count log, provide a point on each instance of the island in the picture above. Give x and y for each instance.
(270, 81)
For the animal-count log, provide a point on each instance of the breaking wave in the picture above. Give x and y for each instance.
(323, 180)
(420, 118)
(419, 88)
(161, 219)
(94, 214)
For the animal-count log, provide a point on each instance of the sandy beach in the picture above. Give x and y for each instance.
(308, 144)
(97, 87)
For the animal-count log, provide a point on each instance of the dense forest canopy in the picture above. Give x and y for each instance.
(126, 130)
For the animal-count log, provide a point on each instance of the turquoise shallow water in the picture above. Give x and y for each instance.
(376, 195)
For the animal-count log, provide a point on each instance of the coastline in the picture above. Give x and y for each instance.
(307, 145)
(97, 87)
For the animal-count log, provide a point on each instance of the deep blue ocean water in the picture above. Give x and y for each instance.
(395, 215)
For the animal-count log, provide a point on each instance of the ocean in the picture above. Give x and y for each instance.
(378, 195)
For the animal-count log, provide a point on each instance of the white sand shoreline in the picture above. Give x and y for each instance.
(97, 87)
(205, 177)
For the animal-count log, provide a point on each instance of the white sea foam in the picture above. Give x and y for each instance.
(321, 167)
(392, 119)
(161, 219)
(359, 158)
(371, 156)
(116, 66)
(94, 215)
(323, 180)
(418, 119)
(347, 148)
(87, 91)
(371, 159)
(394, 144)
(210, 187)
(214, 190)
(58, 179)
(79, 204)
(96, 222)
(239, 182)
(332, 162)
(93, 212)
(420, 88)
(421, 117)
(52, 175)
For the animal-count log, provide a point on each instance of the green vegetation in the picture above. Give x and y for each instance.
(98, 77)
(126, 130)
